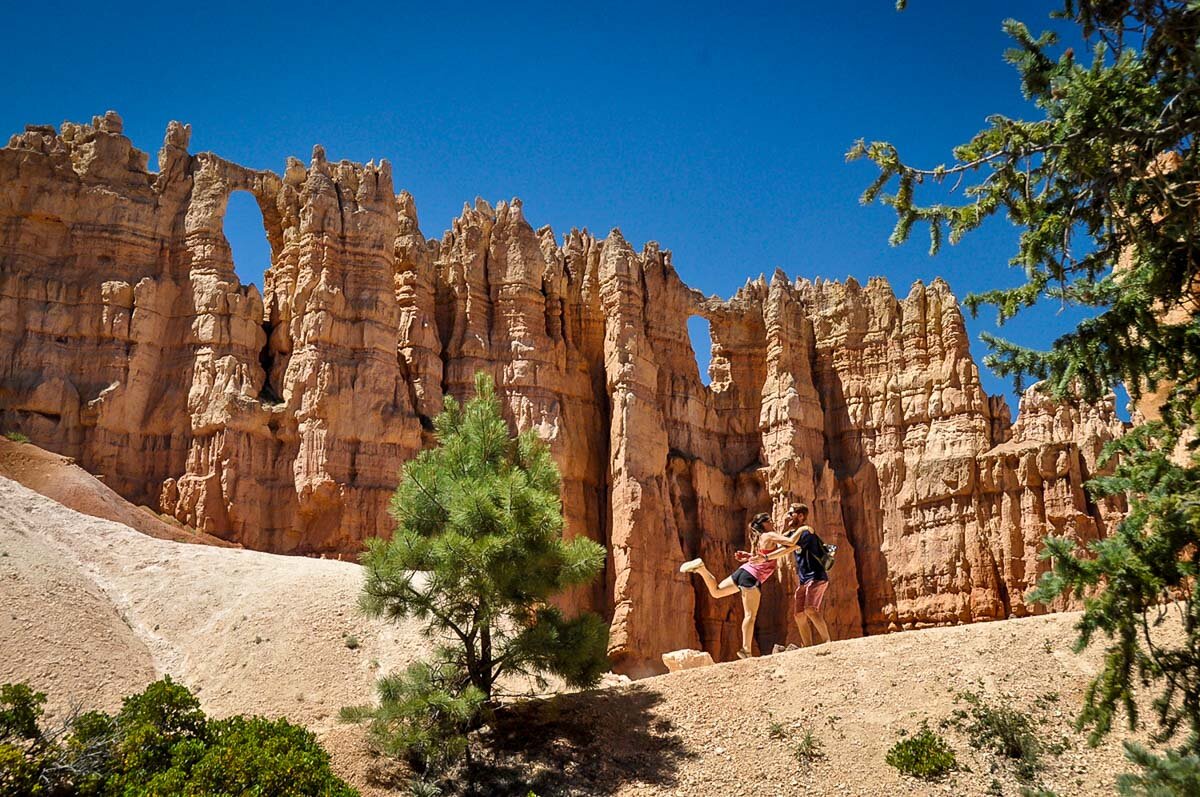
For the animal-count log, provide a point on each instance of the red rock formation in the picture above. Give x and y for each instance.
(281, 421)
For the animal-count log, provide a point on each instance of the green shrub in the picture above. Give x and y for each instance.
(254, 755)
(808, 748)
(20, 710)
(924, 755)
(1003, 730)
(19, 769)
(23, 755)
(90, 751)
(17, 437)
(152, 724)
(423, 716)
(160, 743)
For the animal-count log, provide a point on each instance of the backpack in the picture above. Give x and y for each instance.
(824, 559)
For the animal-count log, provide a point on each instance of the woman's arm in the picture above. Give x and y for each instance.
(775, 538)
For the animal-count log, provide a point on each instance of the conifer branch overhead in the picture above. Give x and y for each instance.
(1105, 187)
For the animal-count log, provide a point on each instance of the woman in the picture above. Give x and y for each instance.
(766, 545)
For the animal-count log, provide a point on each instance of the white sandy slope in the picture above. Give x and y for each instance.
(94, 611)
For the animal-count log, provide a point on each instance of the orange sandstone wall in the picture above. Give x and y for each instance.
(281, 420)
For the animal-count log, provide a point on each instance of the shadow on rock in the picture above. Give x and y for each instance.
(590, 743)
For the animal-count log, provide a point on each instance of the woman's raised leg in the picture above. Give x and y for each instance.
(722, 590)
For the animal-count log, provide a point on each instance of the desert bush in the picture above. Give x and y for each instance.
(424, 715)
(924, 755)
(153, 727)
(250, 755)
(17, 437)
(20, 710)
(24, 753)
(159, 743)
(808, 748)
(1003, 730)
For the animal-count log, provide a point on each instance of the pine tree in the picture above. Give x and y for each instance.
(1105, 186)
(478, 555)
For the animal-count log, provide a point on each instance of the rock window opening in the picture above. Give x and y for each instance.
(1123, 400)
(701, 335)
(247, 236)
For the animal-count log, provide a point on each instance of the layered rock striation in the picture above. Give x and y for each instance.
(281, 420)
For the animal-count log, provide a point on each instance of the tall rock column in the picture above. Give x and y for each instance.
(226, 481)
(338, 323)
(793, 443)
(906, 417)
(416, 297)
(645, 604)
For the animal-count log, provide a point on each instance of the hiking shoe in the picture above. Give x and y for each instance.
(692, 566)
(744, 654)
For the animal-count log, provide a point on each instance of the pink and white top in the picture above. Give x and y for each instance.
(761, 570)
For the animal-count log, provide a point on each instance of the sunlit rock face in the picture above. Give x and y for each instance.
(281, 420)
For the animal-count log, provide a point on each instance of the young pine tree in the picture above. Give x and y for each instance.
(1104, 183)
(478, 555)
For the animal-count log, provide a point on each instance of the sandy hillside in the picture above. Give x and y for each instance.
(710, 730)
(58, 477)
(95, 610)
(251, 632)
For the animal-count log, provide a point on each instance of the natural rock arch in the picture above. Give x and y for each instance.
(701, 334)
(245, 230)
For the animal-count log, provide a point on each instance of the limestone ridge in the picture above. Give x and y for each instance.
(281, 420)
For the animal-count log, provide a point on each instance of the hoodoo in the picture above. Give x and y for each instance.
(281, 419)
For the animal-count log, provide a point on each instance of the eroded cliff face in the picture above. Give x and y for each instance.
(281, 420)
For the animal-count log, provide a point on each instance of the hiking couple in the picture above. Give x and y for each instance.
(766, 546)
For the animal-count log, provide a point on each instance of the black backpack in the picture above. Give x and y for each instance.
(824, 559)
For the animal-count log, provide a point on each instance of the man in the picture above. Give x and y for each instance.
(810, 593)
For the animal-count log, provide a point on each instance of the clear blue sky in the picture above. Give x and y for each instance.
(716, 129)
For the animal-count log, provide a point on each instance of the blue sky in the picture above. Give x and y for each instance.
(716, 129)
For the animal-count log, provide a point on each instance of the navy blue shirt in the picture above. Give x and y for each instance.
(808, 557)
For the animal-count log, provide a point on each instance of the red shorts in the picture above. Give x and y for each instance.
(809, 596)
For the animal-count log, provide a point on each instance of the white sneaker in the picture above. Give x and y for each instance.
(692, 566)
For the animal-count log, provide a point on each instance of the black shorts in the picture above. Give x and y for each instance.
(744, 579)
